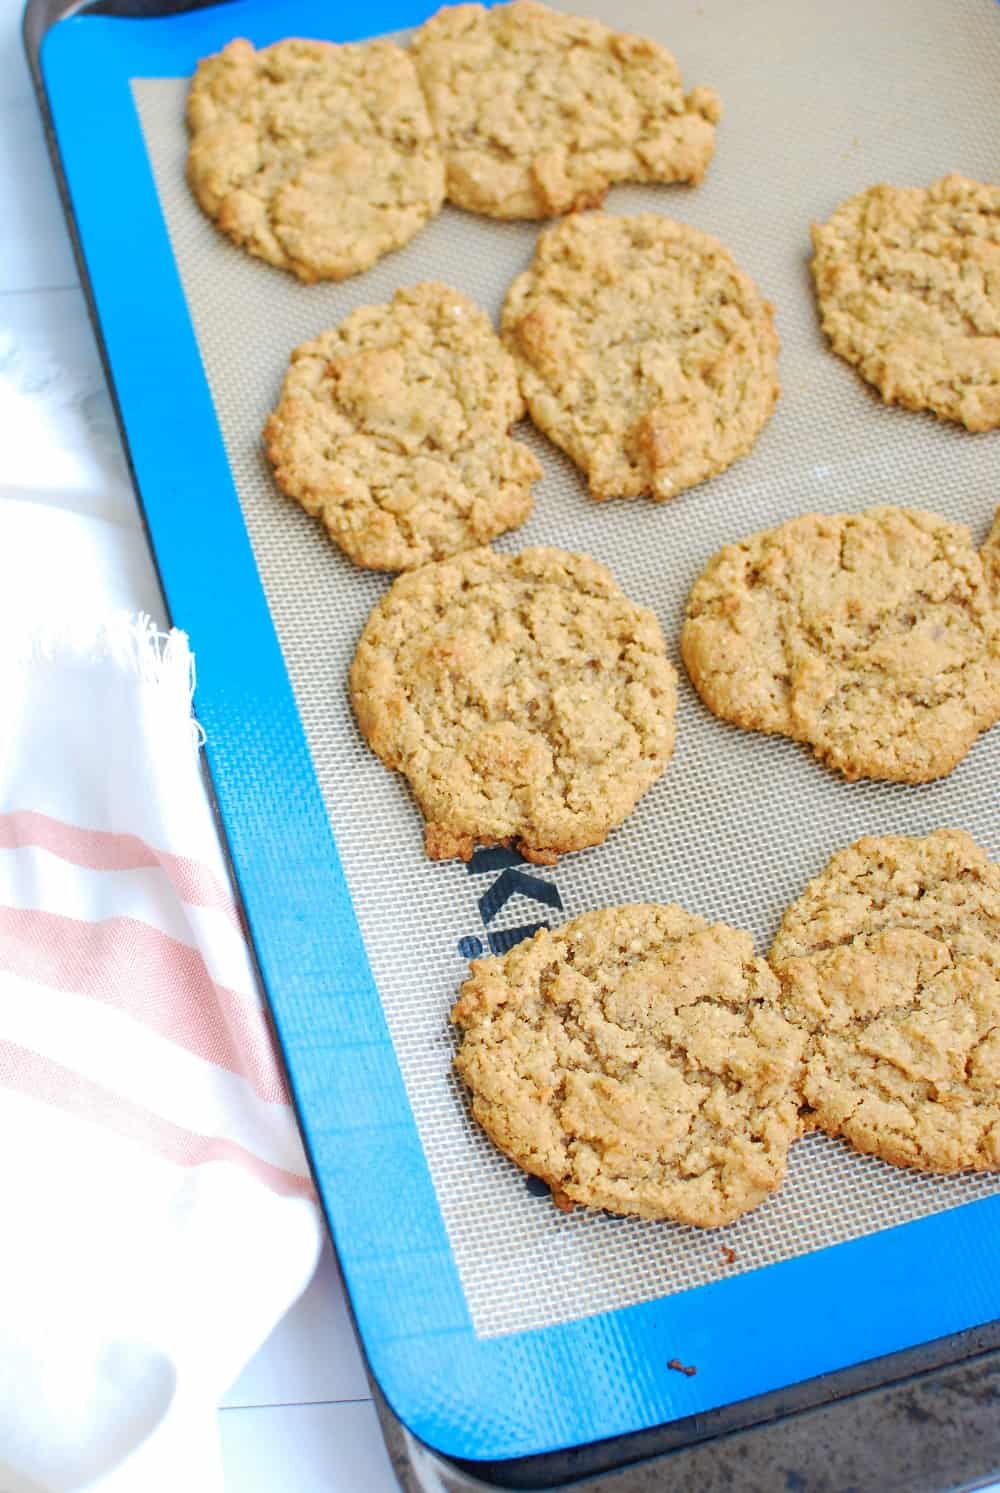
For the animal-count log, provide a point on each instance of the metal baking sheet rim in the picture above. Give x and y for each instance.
(450, 1389)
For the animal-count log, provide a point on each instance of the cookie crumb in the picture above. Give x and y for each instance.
(728, 1256)
(682, 1368)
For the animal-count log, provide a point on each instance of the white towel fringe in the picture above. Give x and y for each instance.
(162, 662)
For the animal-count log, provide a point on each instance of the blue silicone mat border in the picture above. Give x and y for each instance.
(526, 1393)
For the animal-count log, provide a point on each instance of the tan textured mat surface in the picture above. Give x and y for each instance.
(820, 101)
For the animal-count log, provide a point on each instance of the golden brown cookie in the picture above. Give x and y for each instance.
(314, 157)
(636, 1060)
(890, 963)
(526, 699)
(643, 351)
(539, 113)
(908, 283)
(873, 637)
(990, 556)
(393, 429)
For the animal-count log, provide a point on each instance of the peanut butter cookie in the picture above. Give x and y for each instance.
(526, 699)
(873, 637)
(539, 113)
(908, 283)
(393, 429)
(643, 351)
(317, 158)
(636, 1060)
(889, 962)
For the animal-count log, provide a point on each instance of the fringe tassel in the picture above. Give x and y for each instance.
(159, 661)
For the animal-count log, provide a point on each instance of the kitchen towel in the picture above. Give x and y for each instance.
(158, 1217)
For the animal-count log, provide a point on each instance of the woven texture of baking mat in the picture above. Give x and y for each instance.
(820, 101)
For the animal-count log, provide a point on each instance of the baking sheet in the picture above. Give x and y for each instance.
(818, 104)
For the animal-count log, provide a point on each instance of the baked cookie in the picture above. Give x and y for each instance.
(317, 158)
(393, 429)
(636, 1060)
(526, 699)
(990, 556)
(873, 637)
(539, 113)
(643, 351)
(908, 283)
(889, 962)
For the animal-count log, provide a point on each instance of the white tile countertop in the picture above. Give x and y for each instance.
(300, 1417)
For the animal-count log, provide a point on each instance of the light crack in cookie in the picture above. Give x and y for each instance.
(393, 429)
(527, 700)
(316, 158)
(908, 284)
(538, 113)
(889, 962)
(872, 637)
(643, 352)
(636, 1060)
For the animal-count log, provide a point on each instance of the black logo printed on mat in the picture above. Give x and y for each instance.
(511, 881)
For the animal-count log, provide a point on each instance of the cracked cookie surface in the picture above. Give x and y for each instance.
(527, 700)
(393, 429)
(538, 113)
(643, 351)
(890, 963)
(314, 157)
(908, 285)
(872, 637)
(636, 1060)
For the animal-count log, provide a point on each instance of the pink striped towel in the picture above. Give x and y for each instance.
(158, 1216)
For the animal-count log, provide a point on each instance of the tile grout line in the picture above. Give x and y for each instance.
(40, 290)
(297, 1404)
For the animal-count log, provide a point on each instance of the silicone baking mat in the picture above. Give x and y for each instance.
(819, 102)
